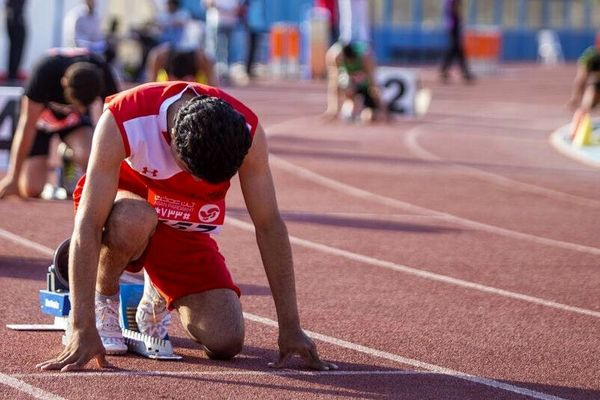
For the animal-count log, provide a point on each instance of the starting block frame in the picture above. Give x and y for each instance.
(54, 300)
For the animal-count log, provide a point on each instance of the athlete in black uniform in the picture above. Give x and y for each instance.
(57, 99)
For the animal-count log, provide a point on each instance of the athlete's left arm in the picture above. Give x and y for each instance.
(274, 245)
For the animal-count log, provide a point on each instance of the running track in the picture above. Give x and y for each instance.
(452, 257)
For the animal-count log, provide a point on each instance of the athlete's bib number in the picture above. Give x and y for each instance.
(187, 214)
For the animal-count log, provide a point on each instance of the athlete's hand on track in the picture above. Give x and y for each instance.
(82, 347)
(8, 186)
(297, 342)
(329, 115)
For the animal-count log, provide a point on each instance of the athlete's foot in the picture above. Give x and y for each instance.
(107, 323)
(152, 316)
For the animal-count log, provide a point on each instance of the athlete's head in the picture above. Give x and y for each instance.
(349, 51)
(594, 63)
(210, 138)
(181, 65)
(82, 83)
(173, 5)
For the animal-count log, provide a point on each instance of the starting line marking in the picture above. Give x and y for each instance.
(24, 387)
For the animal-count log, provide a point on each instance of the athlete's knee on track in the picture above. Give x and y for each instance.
(222, 345)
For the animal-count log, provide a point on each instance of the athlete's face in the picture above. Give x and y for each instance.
(180, 163)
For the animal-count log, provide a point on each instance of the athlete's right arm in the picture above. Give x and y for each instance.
(21, 145)
(579, 83)
(332, 63)
(97, 199)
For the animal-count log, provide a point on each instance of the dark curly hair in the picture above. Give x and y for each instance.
(84, 83)
(211, 138)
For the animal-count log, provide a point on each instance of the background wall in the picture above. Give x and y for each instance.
(403, 31)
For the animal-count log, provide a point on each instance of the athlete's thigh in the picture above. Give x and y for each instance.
(212, 314)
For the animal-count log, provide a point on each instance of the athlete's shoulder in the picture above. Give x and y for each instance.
(588, 54)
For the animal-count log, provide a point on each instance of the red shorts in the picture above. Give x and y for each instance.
(179, 263)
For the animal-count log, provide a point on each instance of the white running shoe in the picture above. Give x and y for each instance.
(107, 323)
(152, 316)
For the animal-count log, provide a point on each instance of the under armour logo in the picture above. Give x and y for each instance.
(147, 171)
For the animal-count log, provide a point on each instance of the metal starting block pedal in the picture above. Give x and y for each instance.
(139, 343)
(149, 346)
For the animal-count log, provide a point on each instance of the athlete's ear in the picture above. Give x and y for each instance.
(63, 82)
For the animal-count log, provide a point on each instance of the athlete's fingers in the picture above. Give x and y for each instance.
(313, 360)
(103, 362)
(280, 363)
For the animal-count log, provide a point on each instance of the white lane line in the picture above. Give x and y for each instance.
(424, 274)
(21, 386)
(175, 374)
(412, 142)
(415, 363)
(21, 241)
(391, 202)
(332, 340)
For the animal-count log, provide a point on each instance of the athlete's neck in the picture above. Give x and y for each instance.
(174, 108)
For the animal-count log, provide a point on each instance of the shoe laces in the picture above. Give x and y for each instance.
(107, 315)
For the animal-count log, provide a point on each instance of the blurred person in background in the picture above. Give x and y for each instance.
(354, 22)
(15, 28)
(586, 87)
(83, 28)
(222, 19)
(166, 64)
(455, 50)
(332, 7)
(257, 26)
(351, 87)
(167, 27)
(61, 90)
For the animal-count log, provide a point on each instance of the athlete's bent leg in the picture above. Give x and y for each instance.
(214, 319)
(128, 229)
(33, 176)
(80, 141)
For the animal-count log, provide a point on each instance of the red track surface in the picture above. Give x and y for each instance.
(452, 257)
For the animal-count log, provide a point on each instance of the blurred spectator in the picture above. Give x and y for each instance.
(454, 27)
(58, 99)
(222, 18)
(172, 23)
(354, 21)
(256, 22)
(332, 7)
(82, 28)
(167, 27)
(168, 63)
(15, 27)
(195, 8)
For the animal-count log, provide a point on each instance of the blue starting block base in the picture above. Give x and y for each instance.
(59, 305)
(130, 295)
(55, 303)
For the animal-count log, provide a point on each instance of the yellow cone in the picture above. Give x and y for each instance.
(583, 136)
